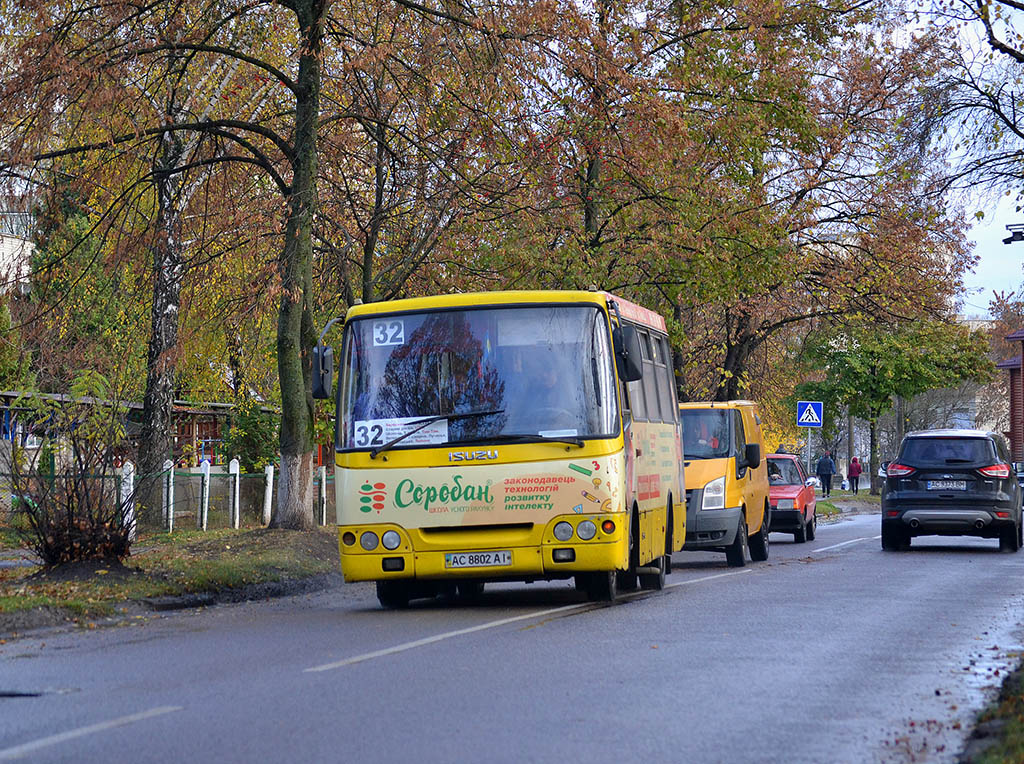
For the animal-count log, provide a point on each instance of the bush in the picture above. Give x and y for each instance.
(70, 499)
(252, 438)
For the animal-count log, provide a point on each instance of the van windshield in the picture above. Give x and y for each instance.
(706, 433)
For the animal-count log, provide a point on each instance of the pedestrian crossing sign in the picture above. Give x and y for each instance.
(809, 413)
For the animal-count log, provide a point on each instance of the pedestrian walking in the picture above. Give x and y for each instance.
(825, 470)
(855, 470)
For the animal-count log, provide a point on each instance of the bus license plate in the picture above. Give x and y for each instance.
(477, 559)
(947, 485)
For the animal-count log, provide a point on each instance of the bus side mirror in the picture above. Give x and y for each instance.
(752, 454)
(627, 353)
(323, 371)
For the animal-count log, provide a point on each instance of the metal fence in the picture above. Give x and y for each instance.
(203, 498)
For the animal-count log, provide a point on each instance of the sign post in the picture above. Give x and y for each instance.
(809, 414)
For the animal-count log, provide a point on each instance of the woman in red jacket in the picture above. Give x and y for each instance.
(854, 472)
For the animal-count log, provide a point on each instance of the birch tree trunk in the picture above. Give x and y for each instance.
(158, 403)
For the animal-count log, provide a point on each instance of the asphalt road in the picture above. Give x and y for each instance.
(832, 651)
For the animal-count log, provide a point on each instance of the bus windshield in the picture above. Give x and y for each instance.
(503, 374)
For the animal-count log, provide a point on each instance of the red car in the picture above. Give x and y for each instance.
(791, 496)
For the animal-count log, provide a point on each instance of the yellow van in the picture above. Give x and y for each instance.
(726, 480)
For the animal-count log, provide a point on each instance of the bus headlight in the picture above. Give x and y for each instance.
(586, 530)
(391, 539)
(368, 541)
(563, 531)
(714, 494)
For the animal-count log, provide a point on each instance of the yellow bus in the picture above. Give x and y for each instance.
(505, 436)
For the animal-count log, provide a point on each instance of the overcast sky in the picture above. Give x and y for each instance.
(999, 265)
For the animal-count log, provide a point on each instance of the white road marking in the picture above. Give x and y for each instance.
(709, 578)
(845, 543)
(18, 751)
(484, 626)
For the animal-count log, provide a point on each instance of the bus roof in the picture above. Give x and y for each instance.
(629, 310)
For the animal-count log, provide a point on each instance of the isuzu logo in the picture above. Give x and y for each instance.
(472, 456)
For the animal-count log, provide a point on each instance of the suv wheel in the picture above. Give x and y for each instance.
(1009, 539)
(893, 539)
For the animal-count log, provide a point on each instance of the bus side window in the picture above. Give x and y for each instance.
(636, 398)
(650, 380)
(665, 397)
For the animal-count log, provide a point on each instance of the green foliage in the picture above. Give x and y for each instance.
(253, 437)
(865, 367)
(10, 370)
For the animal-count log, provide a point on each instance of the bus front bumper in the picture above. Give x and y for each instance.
(525, 562)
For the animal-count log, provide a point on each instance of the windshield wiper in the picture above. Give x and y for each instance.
(523, 437)
(421, 423)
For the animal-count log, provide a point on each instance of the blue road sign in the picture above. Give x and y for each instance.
(809, 413)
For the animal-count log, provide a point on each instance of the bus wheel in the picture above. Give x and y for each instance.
(470, 590)
(626, 579)
(655, 581)
(393, 594)
(601, 587)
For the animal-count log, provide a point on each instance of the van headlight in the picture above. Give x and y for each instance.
(714, 494)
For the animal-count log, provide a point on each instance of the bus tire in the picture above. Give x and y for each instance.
(655, 581)
(669, 538)
(626, 580)
(601, 587)
(469, 590)
(393, 595)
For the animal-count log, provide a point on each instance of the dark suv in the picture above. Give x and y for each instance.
(951, 483)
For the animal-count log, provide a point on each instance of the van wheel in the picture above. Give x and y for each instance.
(393, 595)
(738, 551)
(759, 542)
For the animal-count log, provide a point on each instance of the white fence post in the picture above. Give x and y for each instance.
(127, 498)
(168, 495)
(235, 482)
(268, 493)
(204, 495)
(322, 495)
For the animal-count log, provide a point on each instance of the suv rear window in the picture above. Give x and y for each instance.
(941, 451)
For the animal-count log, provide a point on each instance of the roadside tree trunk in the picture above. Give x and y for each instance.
(295, 331)
(156, 442)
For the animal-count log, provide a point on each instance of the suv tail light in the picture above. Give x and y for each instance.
(898, 470)
(996, 471)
